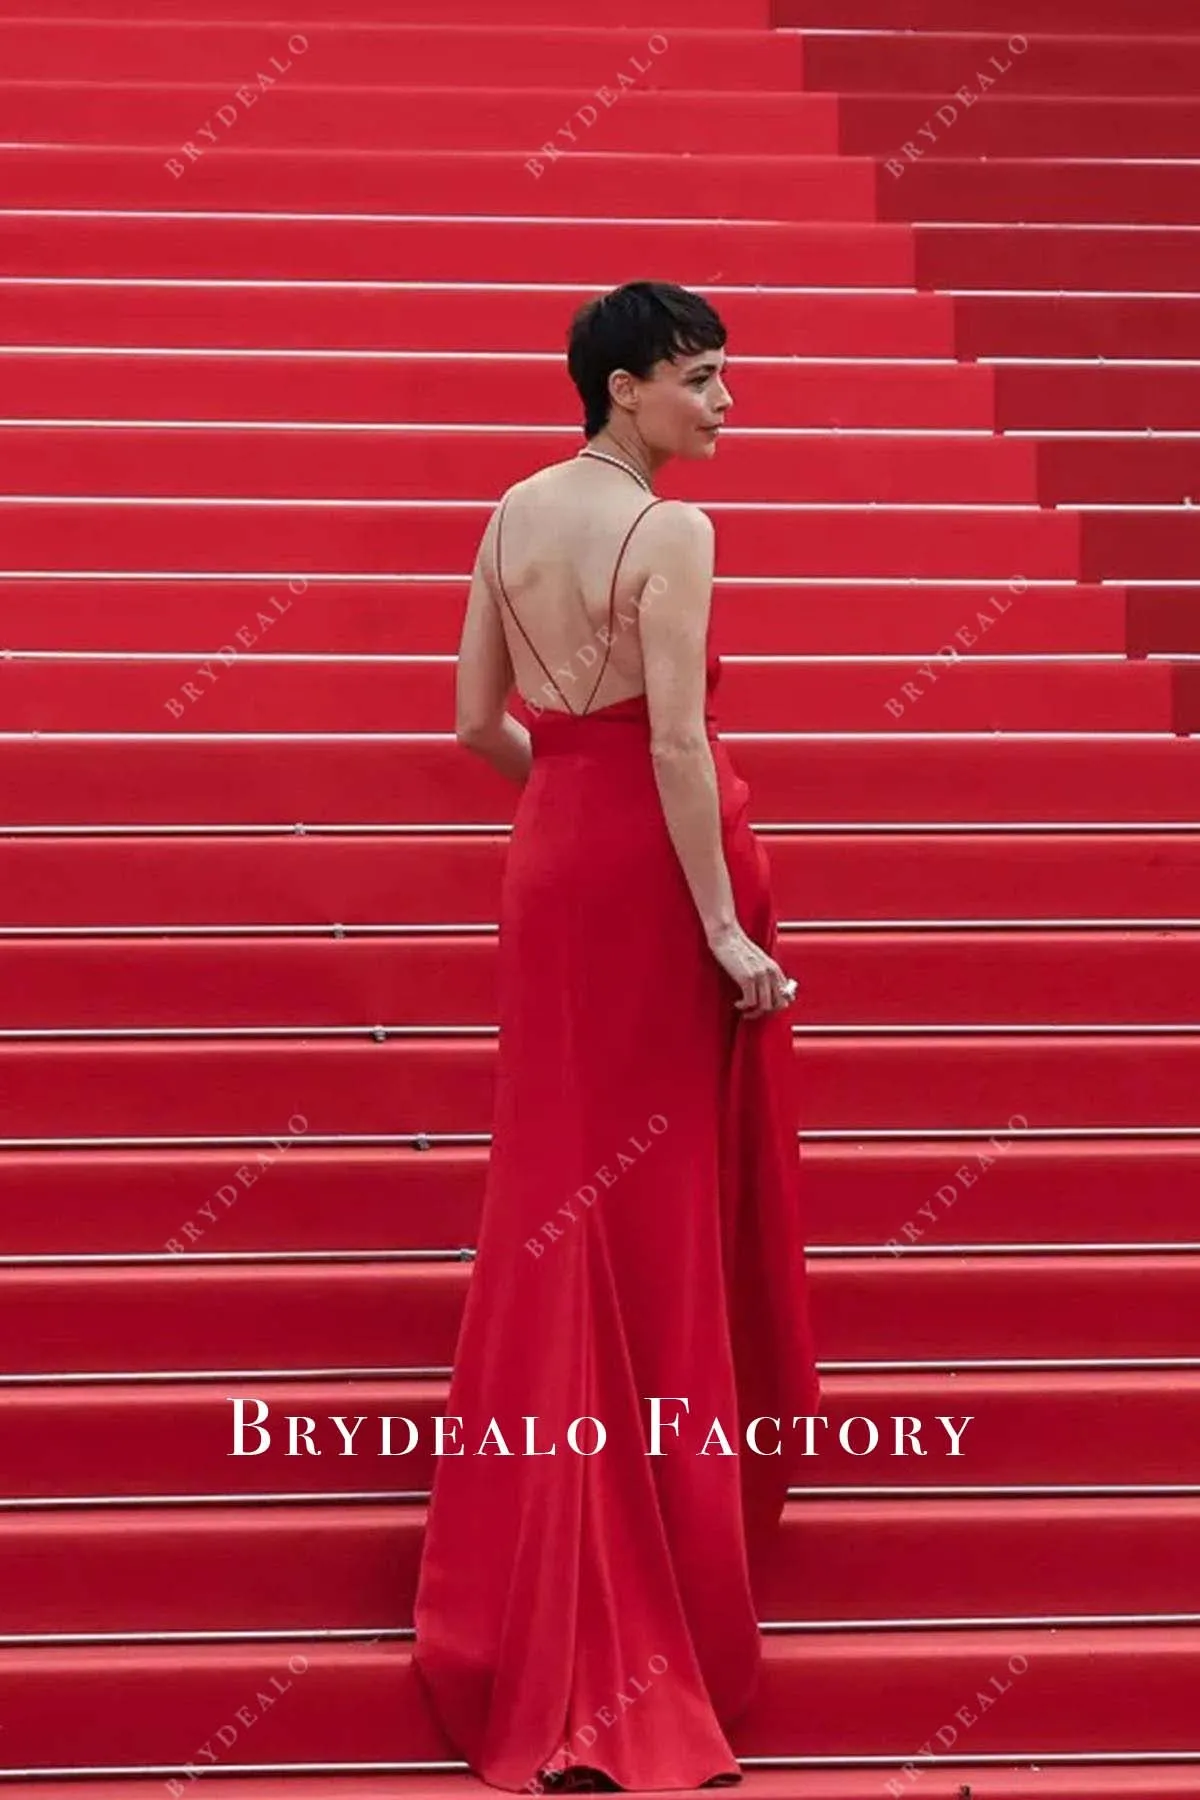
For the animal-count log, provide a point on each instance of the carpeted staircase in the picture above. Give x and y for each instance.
(282, 310)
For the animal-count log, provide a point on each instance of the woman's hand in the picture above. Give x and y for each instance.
(765, 987)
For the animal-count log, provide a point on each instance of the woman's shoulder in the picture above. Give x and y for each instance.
(681, 522)
(539, 483)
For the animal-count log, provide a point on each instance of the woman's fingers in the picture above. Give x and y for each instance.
(765, 989)
(760, 1000)
(750, 1000)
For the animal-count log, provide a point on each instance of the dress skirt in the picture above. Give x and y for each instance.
(640, 1263)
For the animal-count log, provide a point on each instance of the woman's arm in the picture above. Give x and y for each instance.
(673, 628)
(673, 625)
(484, 679)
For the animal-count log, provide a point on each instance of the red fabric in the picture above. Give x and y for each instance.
(598, 1608)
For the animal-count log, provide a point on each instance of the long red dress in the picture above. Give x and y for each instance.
(641, 1236)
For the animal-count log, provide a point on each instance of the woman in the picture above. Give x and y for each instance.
(584, 1613)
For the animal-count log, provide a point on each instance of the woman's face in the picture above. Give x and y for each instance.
(679, 409)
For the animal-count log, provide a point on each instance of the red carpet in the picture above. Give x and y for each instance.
(260, 396)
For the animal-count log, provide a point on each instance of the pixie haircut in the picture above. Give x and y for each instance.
(632, 328)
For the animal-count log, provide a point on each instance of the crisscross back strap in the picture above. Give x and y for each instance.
(612, 594)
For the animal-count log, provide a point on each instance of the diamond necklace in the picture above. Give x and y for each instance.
(603, 456)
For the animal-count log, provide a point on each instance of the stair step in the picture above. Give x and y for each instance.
(275, 695)
(280, 462)
(1147, 544)
(1028, 189)
(1091, 18)
(394, 116)
(603, 181)
(345, 315)
(650, 120)
(892, 778)
(940, 61)
(277, 461)
(599, 183)
(296, 537)
(1161, 619)
(408, 616)
(1024, 125)
(464, 53)
(112, 1569)
(913, 1081)
(155, 1704)
(909, 1194)
(1062, 259)
(845, 395)
(175, 1438)
(364, 879)
(849, 979)
(190, 1316)
(300, 538)
(810, 253)
(440, 390)
(1129, 398)
(708, 13)
(1138, 325)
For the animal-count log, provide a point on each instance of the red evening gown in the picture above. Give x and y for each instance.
(641, 1235)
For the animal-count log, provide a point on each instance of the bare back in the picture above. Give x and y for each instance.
(568, 554)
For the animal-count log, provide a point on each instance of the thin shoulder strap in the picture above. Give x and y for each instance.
(612, 594)
(512, 609)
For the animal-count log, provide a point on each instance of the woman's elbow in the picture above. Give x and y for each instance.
(474, 732)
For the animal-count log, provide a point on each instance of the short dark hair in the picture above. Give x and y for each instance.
(633, 327)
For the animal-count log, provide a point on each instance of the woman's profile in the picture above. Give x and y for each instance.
(635, 1338)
